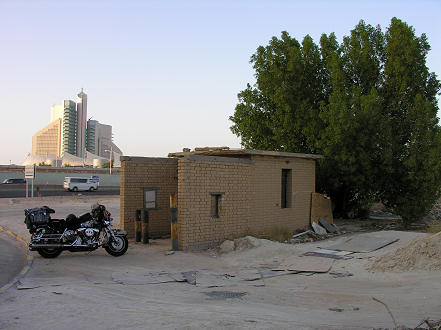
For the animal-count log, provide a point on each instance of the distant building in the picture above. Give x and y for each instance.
(68, 114)
(69, 134)
(81, 123)
(99, 139)
(48, 140)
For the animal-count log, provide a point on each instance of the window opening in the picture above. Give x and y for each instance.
(216, 204)
(286, 188)
(150, 198)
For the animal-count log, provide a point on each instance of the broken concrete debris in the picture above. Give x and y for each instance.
(363, 243)
(324, 255)
(331, 228)
(310, 236)
(202, 278)
(223, 295)
(190, 277)
(306, 264)
(301, 234)
(333, 254)
(318, 233)
(338, 274)
(336, 309)
(268, 273)
(318, 229)
(383, 215)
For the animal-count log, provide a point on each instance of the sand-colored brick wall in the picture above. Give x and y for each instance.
(266, 183)
(139, 173)
(201, 176)
(251, 197)
(250, 190)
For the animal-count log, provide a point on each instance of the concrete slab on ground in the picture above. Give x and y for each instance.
(363, 243)
(306, 264)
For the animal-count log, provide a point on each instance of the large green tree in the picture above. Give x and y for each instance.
(368, 105)
(411, 179)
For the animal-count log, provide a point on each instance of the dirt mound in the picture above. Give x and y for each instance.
(240, 244)
(247, 242)
(419, 254)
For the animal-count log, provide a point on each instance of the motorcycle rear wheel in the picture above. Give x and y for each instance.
(49, 252)
(118, 246)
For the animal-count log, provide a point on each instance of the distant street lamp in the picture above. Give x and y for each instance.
(110, 158)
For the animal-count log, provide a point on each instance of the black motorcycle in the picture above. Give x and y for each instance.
(85, 233)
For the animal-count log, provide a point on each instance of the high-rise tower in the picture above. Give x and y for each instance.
(70, 134)
(81, 123)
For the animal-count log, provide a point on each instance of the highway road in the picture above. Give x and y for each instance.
(19, 190)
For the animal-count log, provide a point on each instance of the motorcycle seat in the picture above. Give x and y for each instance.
(74, 222)
(47, 209)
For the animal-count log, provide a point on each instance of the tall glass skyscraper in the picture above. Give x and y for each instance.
(69, 132)
(81, 123)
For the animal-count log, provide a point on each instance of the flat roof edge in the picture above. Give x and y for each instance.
(282, 154)
(235, 152)
(147, 159)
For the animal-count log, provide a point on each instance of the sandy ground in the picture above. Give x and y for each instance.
(82, 290)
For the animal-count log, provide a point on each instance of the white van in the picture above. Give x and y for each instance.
(78, 184)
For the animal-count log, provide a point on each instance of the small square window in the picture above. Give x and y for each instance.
(150, 199)
(216, 205)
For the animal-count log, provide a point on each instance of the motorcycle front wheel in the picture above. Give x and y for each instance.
(49, 252)
(118, 246)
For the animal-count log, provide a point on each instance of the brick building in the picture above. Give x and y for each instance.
(221, 193)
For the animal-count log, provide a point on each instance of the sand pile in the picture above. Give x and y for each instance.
(243, 243)
(419, 254)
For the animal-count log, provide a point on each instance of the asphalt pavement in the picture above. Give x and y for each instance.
(12, 258)
(19, 190)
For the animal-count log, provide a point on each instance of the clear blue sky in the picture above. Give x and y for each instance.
(164, 74)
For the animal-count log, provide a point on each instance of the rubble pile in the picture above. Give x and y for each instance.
(419, 254)
(388, 221)
(435, 212)
(310, 236)
(320, 231)
(383, 215)
(394, 226)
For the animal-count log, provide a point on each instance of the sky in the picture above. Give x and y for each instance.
(164, 74)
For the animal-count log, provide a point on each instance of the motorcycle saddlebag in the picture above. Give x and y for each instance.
(36, 217)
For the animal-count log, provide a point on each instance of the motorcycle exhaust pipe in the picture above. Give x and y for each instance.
(35, 246)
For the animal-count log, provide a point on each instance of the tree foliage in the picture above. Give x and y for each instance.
(368, 104)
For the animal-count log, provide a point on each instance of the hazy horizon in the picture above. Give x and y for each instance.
(164, 74)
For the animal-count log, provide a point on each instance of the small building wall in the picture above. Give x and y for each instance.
(266, 209)
(139, 173)
(247, 189)
(251, 197)
(199, 178)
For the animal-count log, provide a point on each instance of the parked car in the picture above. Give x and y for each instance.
(80, 184)
(14, 181)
